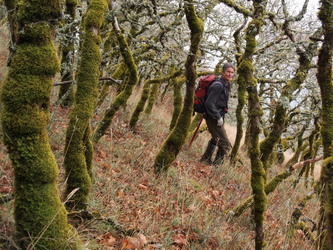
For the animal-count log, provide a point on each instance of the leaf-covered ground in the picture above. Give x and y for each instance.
(190, 207)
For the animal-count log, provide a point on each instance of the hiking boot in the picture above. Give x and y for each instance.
(207, 156)
(219, 157)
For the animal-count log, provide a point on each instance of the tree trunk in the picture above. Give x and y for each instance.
(172, 145)
(324, 77)
(77, 156)
(66, 92)
(123, 96)
(177, 100)
(280, 119)
(245, 71)
(40, 216)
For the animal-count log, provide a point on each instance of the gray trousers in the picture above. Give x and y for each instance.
(219, 135)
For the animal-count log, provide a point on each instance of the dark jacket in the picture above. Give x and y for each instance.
(217, 98)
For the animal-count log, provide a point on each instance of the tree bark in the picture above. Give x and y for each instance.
(324, 78)
(245, 71)
(172, 145)
(123, 96)
(40, 216)
(78, 153)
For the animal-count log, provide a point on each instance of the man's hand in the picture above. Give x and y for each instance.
(220, 122)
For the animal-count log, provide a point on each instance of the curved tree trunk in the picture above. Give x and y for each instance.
(123, 96)
(245, 71)
(324, 77)
(241, 95)
(151, 99)
(144, 96)
(40, 216)
(176, 139)
(77, 155)
(177, 100)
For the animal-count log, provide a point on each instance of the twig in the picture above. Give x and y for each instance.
(6, 198)
(113, 81)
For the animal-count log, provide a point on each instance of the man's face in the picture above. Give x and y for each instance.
(228, 74)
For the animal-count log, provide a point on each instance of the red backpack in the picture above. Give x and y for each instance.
(201, 93)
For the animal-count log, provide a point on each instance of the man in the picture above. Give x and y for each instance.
(216, 106)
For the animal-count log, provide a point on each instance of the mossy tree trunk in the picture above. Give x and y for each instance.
(172, 145)
(144, 96)
(177, 100)
(241, 95)
(324, 77)
(78, 150)
(40, 216)
(280, 116)
(117, 75)
(66, 92)
(154, 90)
(123, 96)
(245, 71)
(11, 6)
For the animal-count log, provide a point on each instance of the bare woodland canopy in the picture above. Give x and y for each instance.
(100, 51)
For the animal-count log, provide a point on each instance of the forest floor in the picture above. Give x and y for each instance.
(189, 207)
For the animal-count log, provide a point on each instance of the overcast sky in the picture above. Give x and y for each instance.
(312, 7)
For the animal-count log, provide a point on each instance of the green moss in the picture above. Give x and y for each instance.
(172, 145)
(78, 150)
(152, 97)
(123, 96)
(140, 106)
(38, 10)
(177, 101)
(40, 217)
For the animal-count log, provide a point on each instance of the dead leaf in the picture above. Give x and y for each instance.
(191, 207)
(215, 194)
(142, 240)
(121, 193)
(131, 242)
(180, 239)
(127, 243)
(108, 240)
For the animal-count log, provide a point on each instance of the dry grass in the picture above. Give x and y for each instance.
(185, 208)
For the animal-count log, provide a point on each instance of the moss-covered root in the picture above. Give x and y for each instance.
(77, 155)
(123, 96)
(40, 216)
(172, 145)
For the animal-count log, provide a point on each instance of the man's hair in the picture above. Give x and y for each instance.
(227, 66)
